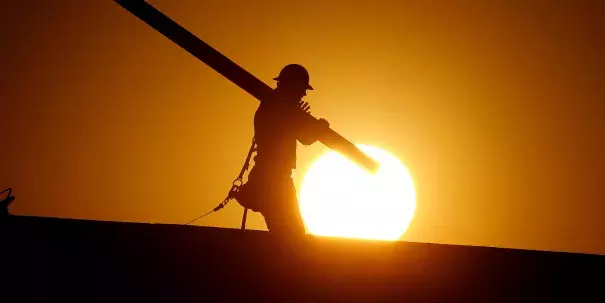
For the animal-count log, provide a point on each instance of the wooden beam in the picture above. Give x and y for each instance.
(235, 73)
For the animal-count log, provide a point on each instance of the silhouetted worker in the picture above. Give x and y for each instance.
(278, 125)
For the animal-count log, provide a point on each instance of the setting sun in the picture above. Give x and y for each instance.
(338, 198)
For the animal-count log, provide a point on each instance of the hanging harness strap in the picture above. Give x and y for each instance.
(238, 182)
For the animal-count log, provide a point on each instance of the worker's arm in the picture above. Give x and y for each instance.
(309, 130)
(312, 133)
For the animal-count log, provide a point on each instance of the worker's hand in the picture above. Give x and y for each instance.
(304, 106)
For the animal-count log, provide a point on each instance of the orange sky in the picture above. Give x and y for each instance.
(496, 109)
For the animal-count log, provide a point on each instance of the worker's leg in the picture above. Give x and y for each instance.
(285, 223)
(282, 215)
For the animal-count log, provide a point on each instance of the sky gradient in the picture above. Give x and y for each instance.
(496, 108)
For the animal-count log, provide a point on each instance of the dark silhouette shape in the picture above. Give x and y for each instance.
(236, 74)
(5, 203)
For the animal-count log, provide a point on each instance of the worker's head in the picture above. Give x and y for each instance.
(294, 79)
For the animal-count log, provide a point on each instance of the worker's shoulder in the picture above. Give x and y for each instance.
(274, 107)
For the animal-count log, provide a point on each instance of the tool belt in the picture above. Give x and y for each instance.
(249, 197)
(266, 183)
(264, 186)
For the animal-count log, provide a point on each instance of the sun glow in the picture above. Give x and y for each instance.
(338, 198)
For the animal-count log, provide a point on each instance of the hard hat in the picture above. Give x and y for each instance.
(294, 73)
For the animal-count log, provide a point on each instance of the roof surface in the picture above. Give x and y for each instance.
(66, 259)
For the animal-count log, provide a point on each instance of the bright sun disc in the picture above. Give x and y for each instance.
(339, 198)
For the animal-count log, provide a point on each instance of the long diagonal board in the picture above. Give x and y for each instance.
(233, 72)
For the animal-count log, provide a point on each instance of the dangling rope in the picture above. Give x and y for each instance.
(237, 183)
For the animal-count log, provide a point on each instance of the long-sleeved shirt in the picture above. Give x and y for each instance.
(278, 125)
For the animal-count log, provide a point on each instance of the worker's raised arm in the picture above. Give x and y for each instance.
(312, 133)
(308, 129)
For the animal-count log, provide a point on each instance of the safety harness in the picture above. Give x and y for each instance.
(235, 187)
(238, 182)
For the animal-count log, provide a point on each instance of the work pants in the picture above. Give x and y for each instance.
(274, 196)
